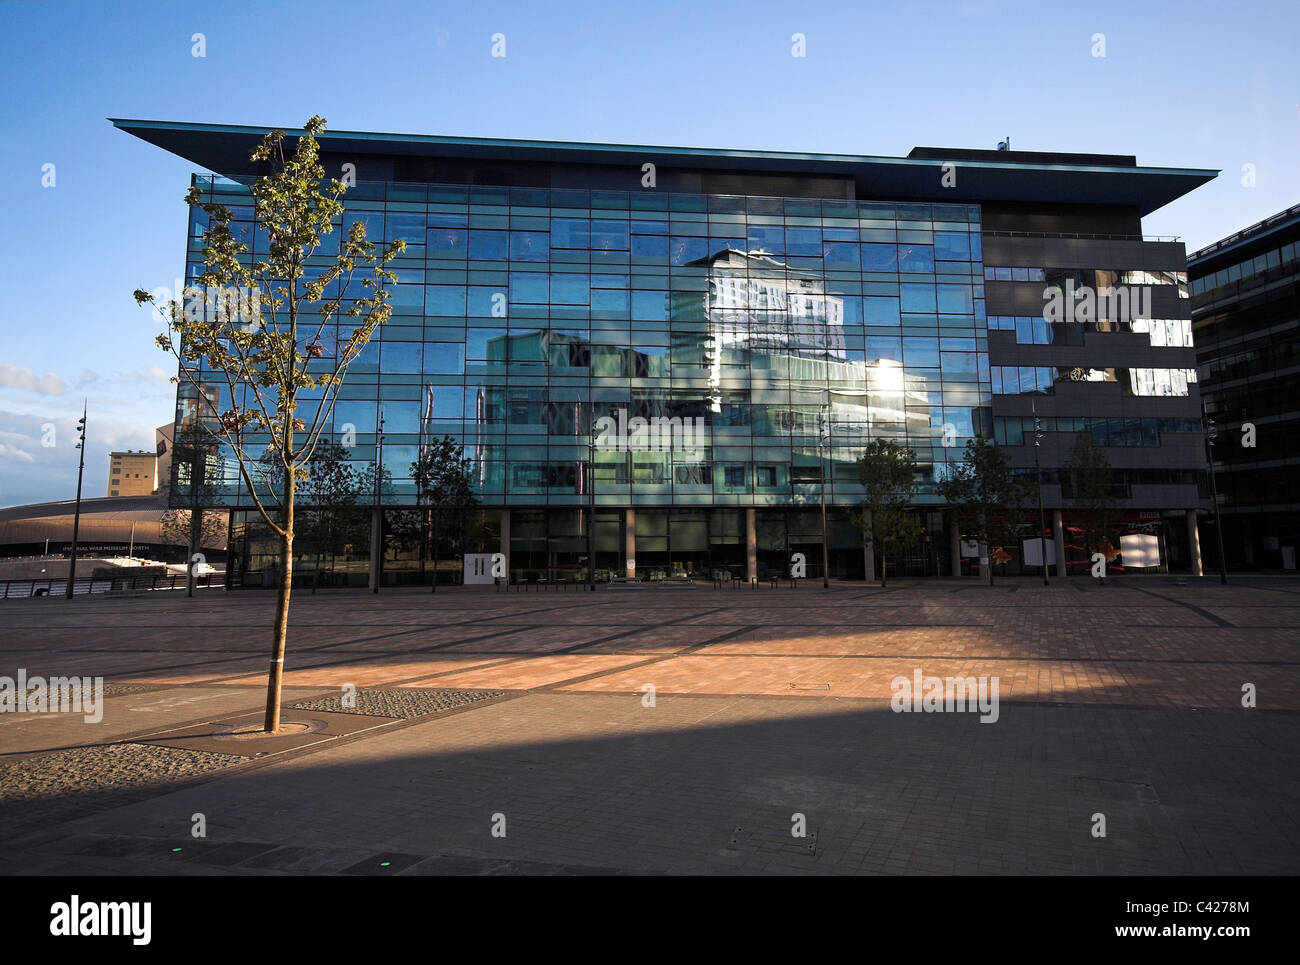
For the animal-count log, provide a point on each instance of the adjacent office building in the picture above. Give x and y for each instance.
(132, 473)
(687, 349)
(1246, 319)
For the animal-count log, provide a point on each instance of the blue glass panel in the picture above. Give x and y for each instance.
(570, 232)
(400, 417)
(956, 300)
(769, 238)
(649, 246)
(609, 300)
(488, 301)
(921, 353)
(444, 358)
(401, 357)
(487, 245)
(407, 226)
(530, 246)
(570, 289)
(807, 240)
(884, 347)
(881, 311)
(917, 298)
(444, 300)
(952, 245)
(529, 288)
(841, 256)
(684, 250)
(360, 414)
(650, 306)
(609, 235)
(916, 258)
(447, 242)
(879, 257)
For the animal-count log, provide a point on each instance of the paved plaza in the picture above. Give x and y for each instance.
(664, 731)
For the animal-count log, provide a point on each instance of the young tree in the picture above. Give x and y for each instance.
(1092, 493)
(988, 497)
(888, 473)
(445, 491)
(279, 334)
(190, 494)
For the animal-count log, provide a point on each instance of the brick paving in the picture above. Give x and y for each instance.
(1123, 700)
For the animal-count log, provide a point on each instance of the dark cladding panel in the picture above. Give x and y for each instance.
(1062, 218)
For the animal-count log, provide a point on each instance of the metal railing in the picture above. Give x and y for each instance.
(25, 589)
(1257, 228)
(1079, 236)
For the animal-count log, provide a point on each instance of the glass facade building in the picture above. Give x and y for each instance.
(1246, 310)
(778, 334)
(680, 370)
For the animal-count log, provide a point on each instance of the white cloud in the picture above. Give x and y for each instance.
(13, 452)
(90, 380)
(34, 472)
(24, 377)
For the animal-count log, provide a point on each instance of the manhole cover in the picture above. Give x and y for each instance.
(288, 728)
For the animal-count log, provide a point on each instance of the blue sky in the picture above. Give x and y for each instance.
(1206, 85)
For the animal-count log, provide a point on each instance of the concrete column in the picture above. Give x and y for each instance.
(629, 542)
(1058, 534)
(869, 551)
(751, 547)
(954, 544)
(505, 540)
(1194, 543)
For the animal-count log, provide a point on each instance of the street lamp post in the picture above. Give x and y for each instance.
(1038, 468)
(377, 519)
(76, 516)
(1212, 433)
(823, 442)
(591, 514)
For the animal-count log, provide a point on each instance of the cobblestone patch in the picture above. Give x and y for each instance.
(405, 703)
(114, 767)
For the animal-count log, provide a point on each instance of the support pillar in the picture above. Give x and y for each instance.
(954, 544)
(376, 547)
(1058, 535)
(629, 542)
(505, 541)
(1194, 544)
(751, 547)
(868, 548)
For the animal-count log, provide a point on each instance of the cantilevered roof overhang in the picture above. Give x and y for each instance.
(224, 149)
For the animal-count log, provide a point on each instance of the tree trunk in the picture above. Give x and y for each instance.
(275, 678)
(884, 570)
